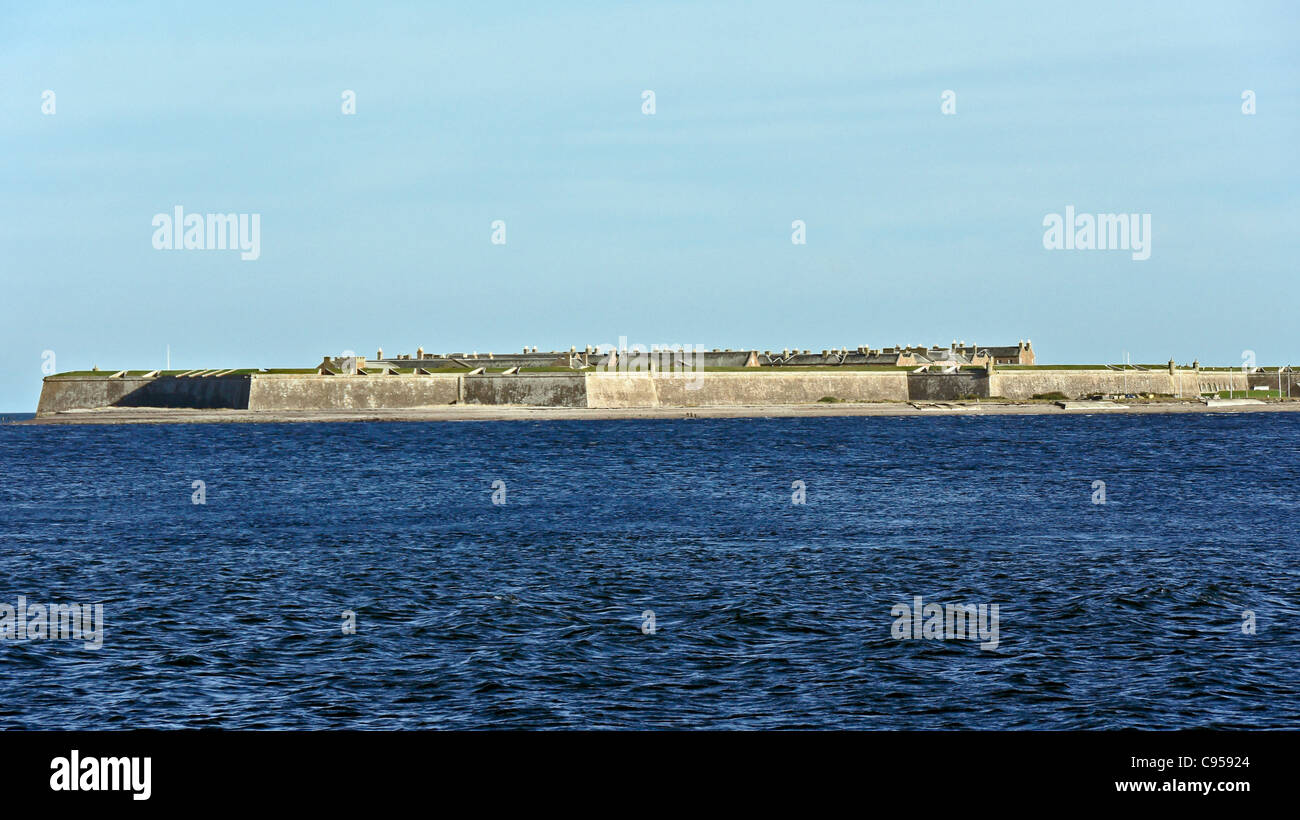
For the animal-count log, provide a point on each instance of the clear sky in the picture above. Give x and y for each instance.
(671, 228)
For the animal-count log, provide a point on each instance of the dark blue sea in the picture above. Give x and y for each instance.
(1176, 603)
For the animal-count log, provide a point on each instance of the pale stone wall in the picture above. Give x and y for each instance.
(1024, 384)
(621, 390)
(306, 392)
(740, 389)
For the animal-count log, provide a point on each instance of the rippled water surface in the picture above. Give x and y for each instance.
(767, 614)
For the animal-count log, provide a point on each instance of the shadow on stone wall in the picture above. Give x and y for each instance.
(222, 392)
(947, 386)
(219, 393)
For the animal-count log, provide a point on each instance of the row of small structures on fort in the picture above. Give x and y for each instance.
(954, 356)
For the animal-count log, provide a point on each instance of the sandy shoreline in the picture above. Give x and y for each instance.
(469, 412)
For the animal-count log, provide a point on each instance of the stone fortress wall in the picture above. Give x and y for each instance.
(764, 386)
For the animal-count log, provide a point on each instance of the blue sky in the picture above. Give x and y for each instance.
(673, 228)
